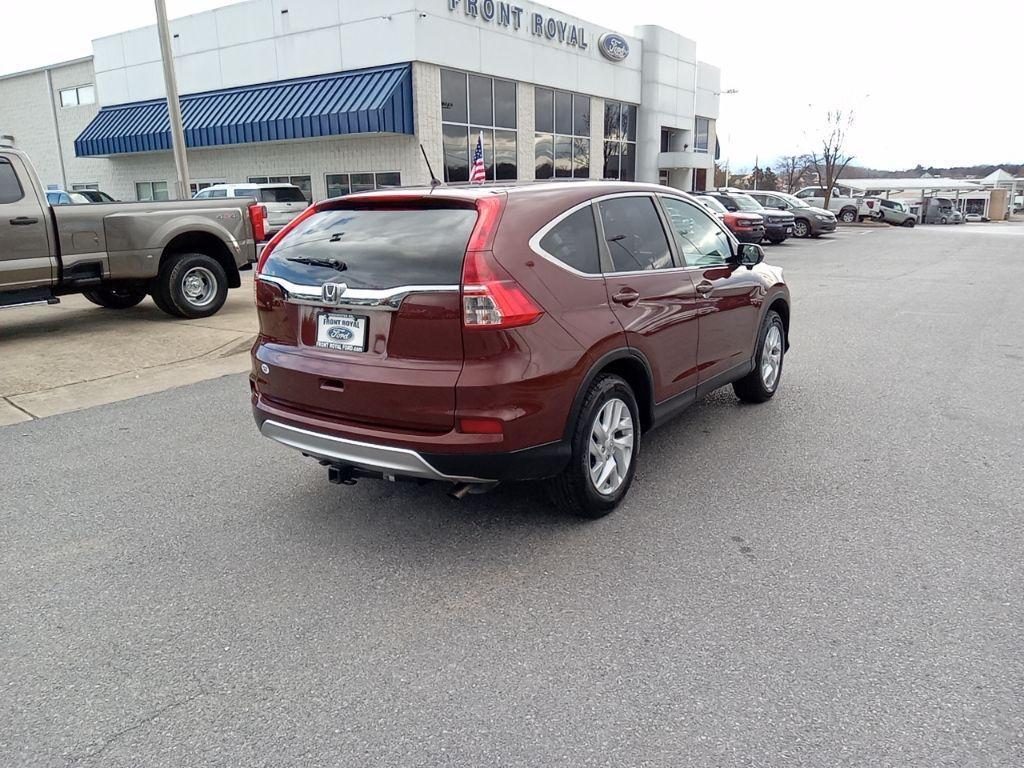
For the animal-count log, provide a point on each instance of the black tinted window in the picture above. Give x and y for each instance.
(563, 112)
(544, 110)
(573, 241)
(281, 195)
(504, 104)
(454, 107)
(10, 188)
(635, 236)
(377, 248)
(481, 104)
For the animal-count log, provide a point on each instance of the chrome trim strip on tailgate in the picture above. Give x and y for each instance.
(388, 299)
(368, 456)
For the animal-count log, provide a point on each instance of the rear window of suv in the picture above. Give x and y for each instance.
(376, 248)
(281, 195)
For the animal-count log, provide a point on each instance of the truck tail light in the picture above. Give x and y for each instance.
(258, 217)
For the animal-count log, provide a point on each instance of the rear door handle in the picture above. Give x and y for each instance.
(626, 296)
(22, 221)
(705, 287)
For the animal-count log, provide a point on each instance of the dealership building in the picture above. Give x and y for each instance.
(339, 95)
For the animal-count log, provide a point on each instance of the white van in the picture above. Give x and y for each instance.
(283, 202)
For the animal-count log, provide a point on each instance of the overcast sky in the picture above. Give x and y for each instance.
(936, 87)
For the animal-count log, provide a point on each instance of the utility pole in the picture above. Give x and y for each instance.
(181, 186)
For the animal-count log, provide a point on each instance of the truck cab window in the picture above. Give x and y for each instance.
(10, 187)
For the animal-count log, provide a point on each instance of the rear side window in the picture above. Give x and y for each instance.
(10, 188)
(636, 239)
(281, 195)
(376, 248)
(573, 241)
(247, 192)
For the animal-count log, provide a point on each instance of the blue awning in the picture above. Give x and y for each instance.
(364, 101)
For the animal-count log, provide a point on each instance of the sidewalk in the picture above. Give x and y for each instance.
(76, 355)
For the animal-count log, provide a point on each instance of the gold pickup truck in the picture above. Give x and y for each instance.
(185, 254)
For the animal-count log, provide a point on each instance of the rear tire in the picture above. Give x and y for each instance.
(115, 297)
(190, 285)
(848, 216)
(761, 384)
(606, 437)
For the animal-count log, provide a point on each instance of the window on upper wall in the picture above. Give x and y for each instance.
(619, 141)
(339, 184)
(149, 191)
(78, 96)
(475, 107)
(700, 135)
(562, 140)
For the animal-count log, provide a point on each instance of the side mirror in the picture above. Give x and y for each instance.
(732, 208)
(750, 255)
(781, 206)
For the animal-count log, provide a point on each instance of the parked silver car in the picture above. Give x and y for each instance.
(896, 213)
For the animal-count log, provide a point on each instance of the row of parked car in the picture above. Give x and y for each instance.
(754, 216)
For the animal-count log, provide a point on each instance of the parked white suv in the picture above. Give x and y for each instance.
(843, 204)
(283, 202)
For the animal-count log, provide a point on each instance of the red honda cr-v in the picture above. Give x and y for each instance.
(478, 335)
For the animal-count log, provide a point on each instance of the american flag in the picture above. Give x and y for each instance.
(477, 174)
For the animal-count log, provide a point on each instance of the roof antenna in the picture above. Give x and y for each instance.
(433, 179)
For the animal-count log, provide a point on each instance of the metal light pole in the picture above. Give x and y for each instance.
(181, 186)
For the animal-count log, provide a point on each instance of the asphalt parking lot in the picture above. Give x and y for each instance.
(834, 578)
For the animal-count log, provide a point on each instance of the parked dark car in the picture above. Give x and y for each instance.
(808, 221)
(747, 227)
(477, 335)
(778, 225)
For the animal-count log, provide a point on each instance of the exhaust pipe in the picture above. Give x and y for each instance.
(461, 490)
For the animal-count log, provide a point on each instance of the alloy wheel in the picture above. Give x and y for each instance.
(771, 357)
(611, 446)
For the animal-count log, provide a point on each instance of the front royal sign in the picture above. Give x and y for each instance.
(515, 17)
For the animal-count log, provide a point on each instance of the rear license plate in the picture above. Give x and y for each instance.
(341, 331)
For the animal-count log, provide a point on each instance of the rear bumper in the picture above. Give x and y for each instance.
(379, 456)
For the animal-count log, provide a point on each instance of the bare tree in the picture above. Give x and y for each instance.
(792, 171)
(833, 159)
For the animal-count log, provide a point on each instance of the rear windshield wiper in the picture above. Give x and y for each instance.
(340, 266)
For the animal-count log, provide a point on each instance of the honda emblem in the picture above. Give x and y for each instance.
(332, 292)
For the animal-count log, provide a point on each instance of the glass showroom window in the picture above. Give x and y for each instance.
(702, 129)
(74, 97)
(148, 191)
(562, 141)
(619, 141)
(303, 182)
(339, 184)
(471, 105)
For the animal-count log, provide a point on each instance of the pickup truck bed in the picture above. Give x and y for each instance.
(185, 254)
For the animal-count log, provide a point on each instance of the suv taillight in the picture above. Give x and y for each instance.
(491, 298)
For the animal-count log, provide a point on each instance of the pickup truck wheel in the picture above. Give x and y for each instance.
(605, 448)
(115, 298)
(191, 285)
(848, 216)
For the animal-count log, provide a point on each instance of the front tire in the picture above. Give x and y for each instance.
(801, 228)
(191, 285)
(761, 384)
(115, 297)
(909, 223)
(605, 449)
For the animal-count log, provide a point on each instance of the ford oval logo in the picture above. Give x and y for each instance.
(613, 47)
(340, 334)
